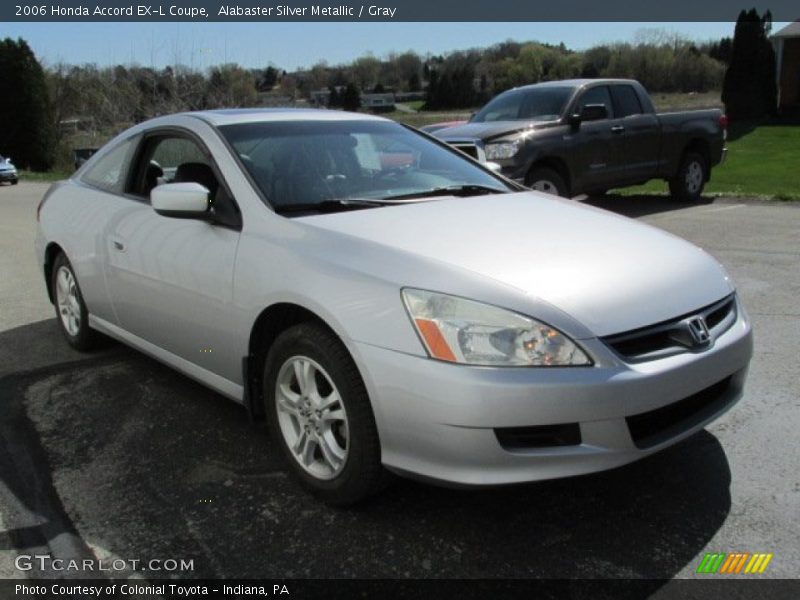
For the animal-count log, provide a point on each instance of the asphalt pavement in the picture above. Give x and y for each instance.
(112, 455)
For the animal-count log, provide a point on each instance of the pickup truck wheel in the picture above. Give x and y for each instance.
(691, 178)
(319, 413)
(546, 180)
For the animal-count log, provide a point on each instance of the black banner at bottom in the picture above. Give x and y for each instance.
(387, 589)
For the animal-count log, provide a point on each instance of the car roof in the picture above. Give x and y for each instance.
(255, 115)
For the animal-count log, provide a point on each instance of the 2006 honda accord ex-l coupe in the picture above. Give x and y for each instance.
(387, 303)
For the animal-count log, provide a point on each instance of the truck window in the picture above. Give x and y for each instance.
(626, 101)
(596, 95)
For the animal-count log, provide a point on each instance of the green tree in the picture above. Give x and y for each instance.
(334, 100)
(351, 97)
(26, 123)
(749, 90)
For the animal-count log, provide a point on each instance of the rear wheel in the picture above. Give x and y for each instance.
(71, 313)
(319, 412)
(688, 183)
(546, 180)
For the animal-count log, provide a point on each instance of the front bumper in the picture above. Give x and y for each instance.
(439, 421)
(8, 176)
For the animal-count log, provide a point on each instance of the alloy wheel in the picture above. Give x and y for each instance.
(69, 304)
(312, 417)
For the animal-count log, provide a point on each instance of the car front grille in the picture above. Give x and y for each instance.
(674, 336)
(468, 149)
(656, 426)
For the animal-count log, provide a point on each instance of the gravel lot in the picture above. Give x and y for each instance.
(113, 455)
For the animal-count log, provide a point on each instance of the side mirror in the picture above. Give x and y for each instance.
(594, 112)
(187, 200)
(471, 116)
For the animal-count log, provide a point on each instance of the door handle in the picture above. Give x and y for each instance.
(617, 129)
(118, 245)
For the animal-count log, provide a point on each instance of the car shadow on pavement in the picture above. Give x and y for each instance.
(139, 462)
(642, 205)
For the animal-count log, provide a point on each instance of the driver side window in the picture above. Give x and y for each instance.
(179, 159)
(173, 159)
(596, 95)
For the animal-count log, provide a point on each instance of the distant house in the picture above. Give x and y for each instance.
(787, 52)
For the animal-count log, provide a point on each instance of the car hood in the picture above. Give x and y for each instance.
(489, 131)
(610, 273)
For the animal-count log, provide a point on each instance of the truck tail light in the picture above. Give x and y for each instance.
(723, 121)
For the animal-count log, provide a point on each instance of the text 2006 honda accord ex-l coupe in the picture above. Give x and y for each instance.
(387, 303)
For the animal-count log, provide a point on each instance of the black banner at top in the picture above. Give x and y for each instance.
(389, 10)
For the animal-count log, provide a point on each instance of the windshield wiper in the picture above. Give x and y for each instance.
(330, 205)
(462, 190)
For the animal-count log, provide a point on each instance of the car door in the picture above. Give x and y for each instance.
(170, 279)
(87, 211)
(641, 137)
(597, 145)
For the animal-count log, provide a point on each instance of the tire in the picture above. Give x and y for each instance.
(15, 182)
(71, 313)
(688, 183)
(338, 458)
(546, 180)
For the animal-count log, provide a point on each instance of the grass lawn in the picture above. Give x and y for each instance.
(763, 162)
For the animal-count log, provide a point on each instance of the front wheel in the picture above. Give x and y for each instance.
(71, 312)
(546, 180)
(319, 412)
(688, 183)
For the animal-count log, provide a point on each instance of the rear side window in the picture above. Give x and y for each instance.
(596, 95)
(108, 173)
(626, 101)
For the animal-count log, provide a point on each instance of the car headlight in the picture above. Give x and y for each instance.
(501, 150)
(464, 331)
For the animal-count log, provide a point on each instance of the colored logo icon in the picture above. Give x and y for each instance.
(737, 563)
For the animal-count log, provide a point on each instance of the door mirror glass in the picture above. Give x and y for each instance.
(186, 200)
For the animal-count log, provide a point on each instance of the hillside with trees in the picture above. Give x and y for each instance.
(85, 104)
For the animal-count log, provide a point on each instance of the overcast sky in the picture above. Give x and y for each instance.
(294, 45)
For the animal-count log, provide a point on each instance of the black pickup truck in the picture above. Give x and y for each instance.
(590, 135)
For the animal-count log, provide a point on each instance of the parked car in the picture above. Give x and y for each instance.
(423, 317)
(591, 135)
(8, 172)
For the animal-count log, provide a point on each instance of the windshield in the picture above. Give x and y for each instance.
(532, 104)
(318, 163)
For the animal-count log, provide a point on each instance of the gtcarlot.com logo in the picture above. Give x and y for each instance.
(45, 562)
(736, 563)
